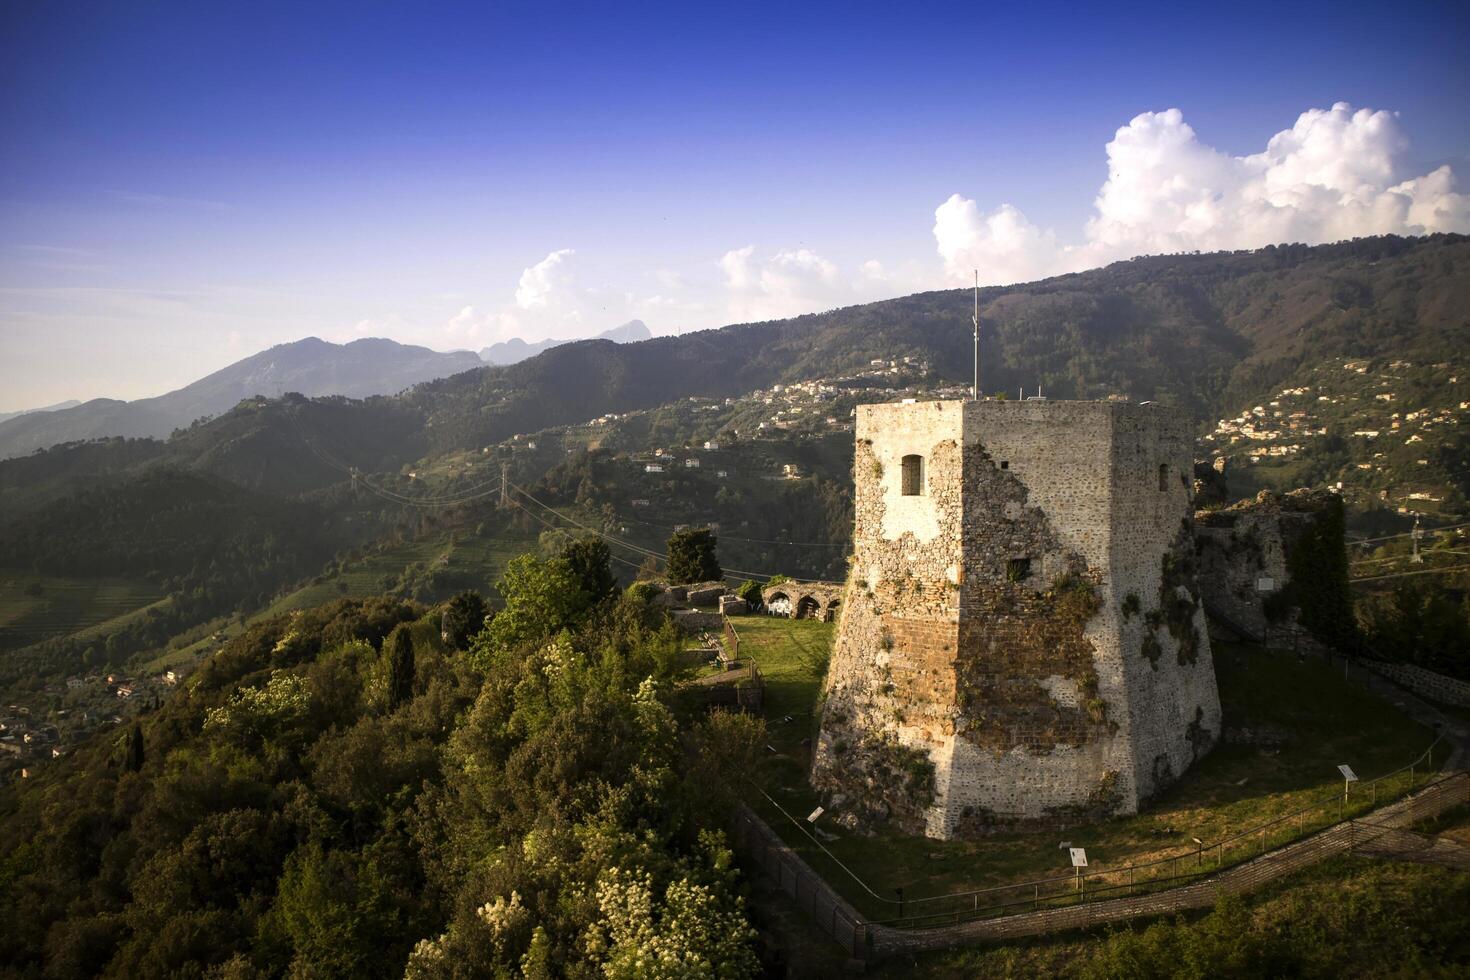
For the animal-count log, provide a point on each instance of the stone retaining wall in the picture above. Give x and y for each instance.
(1425, 683)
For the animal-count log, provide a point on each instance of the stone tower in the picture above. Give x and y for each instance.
(1021, 637)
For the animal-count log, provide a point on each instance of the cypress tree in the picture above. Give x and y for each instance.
(135, 749)
(400, 667)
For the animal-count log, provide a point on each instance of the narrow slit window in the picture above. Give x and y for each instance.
(1005, 464)
(913, 476)
(1163, 476)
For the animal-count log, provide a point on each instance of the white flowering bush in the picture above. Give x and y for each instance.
(259, 713)
(505, 919)
(427, 961)
(691, 930)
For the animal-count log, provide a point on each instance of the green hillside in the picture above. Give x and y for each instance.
(282, 495)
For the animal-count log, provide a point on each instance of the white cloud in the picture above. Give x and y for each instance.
(547, 284)
(787, 283)
(1002, 245)
(1337, 173)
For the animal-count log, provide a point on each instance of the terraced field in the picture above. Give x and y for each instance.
(39, 607)
(444, 563)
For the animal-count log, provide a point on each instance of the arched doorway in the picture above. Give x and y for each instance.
(808, 608)
(779, 604)
(831, 614)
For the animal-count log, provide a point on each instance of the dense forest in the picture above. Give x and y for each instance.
(373, 788)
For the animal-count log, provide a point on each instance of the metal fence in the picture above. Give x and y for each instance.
(829, 911)
(1131, 878)
(732, 638)
(1109, 896)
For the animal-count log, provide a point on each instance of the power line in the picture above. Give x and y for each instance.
(1422, 571)
(496, 486)
(464, 495)
(736, 537)
(1427, 554)
(517, 504)
(587, 527)
(1405, 534)
(626, 544)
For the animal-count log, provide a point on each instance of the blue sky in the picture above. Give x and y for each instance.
(184, 184)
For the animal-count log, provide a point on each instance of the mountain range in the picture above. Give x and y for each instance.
(515, 350)
(310, 366)
(1205, 333)
(1200, 332)
(70, 403)
(1364, 335)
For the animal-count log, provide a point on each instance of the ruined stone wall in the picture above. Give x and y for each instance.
(1243, 554)
(985, 671)
(809, 600)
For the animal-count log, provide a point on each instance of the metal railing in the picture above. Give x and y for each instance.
(732, 638)
(1137, 878)
(1103, 900)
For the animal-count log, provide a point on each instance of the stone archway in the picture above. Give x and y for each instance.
(808, 608)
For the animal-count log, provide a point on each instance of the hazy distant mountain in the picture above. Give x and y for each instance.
(6, 416)
(515, 350)
(310, 366)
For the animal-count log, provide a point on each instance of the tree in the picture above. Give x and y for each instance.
(750, 592)
(541, 598)
(692, 557)
(135, 749)
(589, 560)
(463, 617)
(400, 667)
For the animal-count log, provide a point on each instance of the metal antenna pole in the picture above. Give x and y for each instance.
(975, 388)
(504, 485)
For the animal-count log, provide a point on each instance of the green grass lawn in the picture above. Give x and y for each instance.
(1327, 721)
(38, 607)
(792, 657)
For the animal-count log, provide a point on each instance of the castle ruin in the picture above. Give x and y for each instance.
(1021, 636)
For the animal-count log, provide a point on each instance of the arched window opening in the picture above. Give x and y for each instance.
(913, 475)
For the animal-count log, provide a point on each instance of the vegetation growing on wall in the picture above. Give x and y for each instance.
(1179, 599)
(1029, 635)
(1317, 562)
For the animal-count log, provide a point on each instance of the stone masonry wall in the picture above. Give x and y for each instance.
(1243, 553)
(985, 670)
